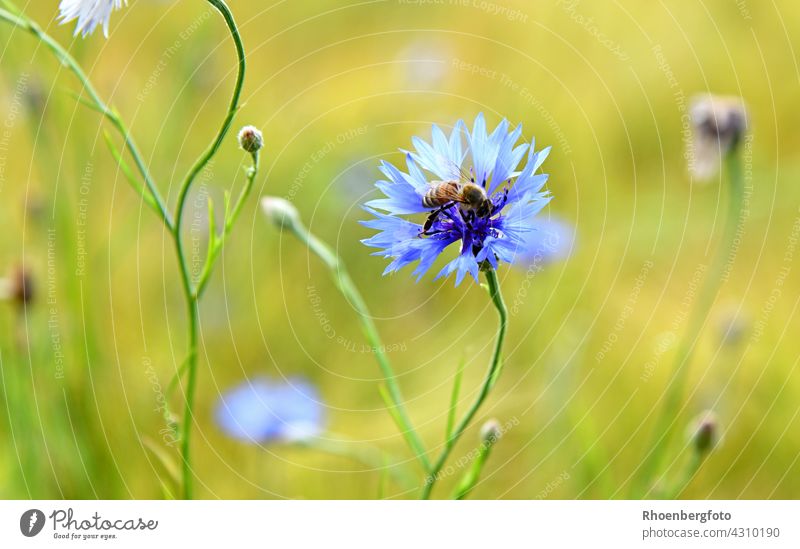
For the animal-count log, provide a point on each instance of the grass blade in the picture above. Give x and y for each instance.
(387, 400)
(167, 463)
(451, 413)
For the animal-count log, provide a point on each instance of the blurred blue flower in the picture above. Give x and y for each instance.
(486, 231)
(262, 410)
(551, 240)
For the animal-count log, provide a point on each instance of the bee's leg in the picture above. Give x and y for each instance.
(429, 222)
(426, 230)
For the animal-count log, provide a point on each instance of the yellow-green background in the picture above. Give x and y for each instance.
(377, 73)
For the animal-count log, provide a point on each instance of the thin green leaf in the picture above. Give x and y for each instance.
(173, 383)
(85, 102)
(227, 209)
(165, 491)
(11, 7)
(128, 173)
(387, 400)
(473, 474)
(165, 460)
(451, 413)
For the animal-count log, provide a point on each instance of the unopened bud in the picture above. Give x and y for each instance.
(18, 287)
(491, 432)
(280, 211)
(251, 139)
(705, 432)
(719, 124)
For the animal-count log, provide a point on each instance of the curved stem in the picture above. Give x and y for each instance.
(351, 293)
(190, 293)
(97, 103)
(492, 374)
(470, 479)
(665, 427)
(206, 157)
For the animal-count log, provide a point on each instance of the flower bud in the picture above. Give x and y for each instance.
(732, 325)
(280, 211)
(251, 139)
(719, 124)
(491, 432)
(18, 287)
(705, 432)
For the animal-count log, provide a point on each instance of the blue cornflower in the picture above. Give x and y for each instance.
(262, 410)
(552, 240)
(476, 196)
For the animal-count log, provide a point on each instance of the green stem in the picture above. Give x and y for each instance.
(206, 157)
(695, 462)
(665, 427)
(492, 374)
(217, 243)
(346, 286)
(67, 60)
(190, 293)
(473, 474)
(191, 385)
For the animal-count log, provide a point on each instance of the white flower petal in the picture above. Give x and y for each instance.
(89, 14)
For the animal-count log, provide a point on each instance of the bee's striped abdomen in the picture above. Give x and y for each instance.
(440, 193)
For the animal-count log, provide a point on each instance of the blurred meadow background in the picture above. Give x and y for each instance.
(336, 87)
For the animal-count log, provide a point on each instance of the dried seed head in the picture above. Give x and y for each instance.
(280, 211)
(251, 139)
(719, 124)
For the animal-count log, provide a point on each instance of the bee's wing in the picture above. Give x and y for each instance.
(448, 190)
(458, 173)
(466, 176)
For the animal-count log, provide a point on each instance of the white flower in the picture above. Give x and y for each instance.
(89, 14)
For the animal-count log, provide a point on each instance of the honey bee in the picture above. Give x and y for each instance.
(472, 199)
